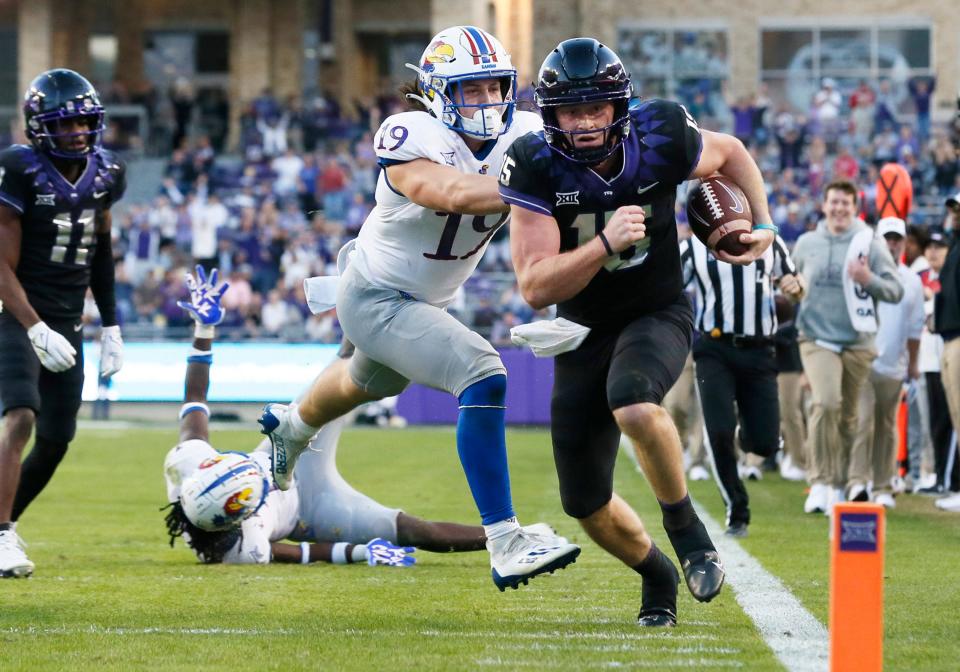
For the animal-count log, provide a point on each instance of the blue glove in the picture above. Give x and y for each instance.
(205, 294)
(382, 552)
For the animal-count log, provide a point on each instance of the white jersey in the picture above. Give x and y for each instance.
(407, 247)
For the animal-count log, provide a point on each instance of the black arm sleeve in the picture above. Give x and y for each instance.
(102, 280)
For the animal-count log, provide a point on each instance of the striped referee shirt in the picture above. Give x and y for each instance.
(735, 299)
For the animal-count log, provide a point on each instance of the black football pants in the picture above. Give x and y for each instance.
(731, 378)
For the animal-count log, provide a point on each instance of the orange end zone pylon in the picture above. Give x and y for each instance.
(856, 587)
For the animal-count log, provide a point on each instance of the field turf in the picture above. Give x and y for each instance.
(109, 593)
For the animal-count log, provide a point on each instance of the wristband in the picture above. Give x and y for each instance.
(200, 356)
(359, 553)
(606, 244)
(769, 227)
(338, 554)
(203, 330)
(304, 553)
(192, 406)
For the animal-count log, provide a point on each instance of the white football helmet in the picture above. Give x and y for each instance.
(456, 55)
(225, 490)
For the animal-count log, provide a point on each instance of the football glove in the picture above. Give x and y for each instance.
(382, 552)
(205, 294)
(54, 350)
(111, 351)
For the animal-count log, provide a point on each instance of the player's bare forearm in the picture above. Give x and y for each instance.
(196, 425)
(726, 155)
(12, 296)
(319, 552)
(545, 275)
(446, 189)
(102, 281)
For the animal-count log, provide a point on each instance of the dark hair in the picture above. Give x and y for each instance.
(413, 104)
(210, 547)
(920, 234)
(845, 186)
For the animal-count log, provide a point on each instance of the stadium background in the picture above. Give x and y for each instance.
(211, 80)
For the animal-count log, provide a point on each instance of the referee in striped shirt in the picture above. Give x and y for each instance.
(735, 359)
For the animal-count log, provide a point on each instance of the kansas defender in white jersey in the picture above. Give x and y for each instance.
(242, 521)
(437, 209)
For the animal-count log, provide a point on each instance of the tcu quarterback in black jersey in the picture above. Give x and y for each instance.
(55, 198)
(592, 201)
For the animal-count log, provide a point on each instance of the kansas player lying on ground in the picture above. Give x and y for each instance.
(254, 516)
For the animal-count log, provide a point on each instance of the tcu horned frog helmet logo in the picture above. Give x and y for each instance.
(453, 57)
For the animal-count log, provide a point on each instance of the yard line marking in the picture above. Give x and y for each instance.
(100, 630)
(797, 639)
(692, 663)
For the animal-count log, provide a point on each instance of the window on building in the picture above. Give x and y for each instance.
(794, 60)
(684, 64)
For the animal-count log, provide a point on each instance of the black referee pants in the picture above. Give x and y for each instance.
(730, 377)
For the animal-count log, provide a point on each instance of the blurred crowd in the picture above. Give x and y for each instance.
(303, 181)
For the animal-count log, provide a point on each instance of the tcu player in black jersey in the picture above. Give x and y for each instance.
(55, 198)
(592, 199)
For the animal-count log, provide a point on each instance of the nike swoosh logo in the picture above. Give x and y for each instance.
(78, 327)
(99, 194)
(643, 190)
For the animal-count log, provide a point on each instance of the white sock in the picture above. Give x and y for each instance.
(300, 429)
(500, 532)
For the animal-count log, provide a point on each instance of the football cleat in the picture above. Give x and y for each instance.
(545, 533)
(659, 606)
(285, 448)
(737, 530)
(14, 563)
(704, 574)
(525, 556)
(699, 473)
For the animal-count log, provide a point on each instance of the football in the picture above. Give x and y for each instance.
(718, 212)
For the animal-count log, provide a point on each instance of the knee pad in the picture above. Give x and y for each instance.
(628, 388)
(489, 391)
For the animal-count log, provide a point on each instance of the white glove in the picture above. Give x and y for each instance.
(111, 351)
(53, 349)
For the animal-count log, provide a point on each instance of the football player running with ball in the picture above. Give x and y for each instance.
(593, 231)
(225, 508)
(55, 199)
(437, 209)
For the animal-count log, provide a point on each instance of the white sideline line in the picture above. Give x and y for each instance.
(798, 640)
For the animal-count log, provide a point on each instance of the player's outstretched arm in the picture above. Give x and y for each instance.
(374, 552)
(446, 189)
(204, 308)
(726, 155)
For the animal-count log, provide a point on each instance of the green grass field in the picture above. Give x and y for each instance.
(109, 594)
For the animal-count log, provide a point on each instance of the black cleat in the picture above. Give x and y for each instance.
(704, 574)
(738, 530)
(659, 606)
(657, 618)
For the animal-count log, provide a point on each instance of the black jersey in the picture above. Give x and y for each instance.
(57, 220)
(661, 150)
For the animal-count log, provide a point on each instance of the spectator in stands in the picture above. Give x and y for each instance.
(884, 117)
(181, 97)
(845, 166)
(287, 169)
(921, 90)
(276, 314)
(207, 217)
(307, 184)
(862, 112)
(826, 110)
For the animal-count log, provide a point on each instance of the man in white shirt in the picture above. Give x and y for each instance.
(873, 456)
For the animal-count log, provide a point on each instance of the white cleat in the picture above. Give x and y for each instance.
(817, 499)
(834, 496)
(951, 503)
(885, 499)
(14, 563)
(544, 532)
(791, 472)
(285, 448)
(699, 473)
(525, 556)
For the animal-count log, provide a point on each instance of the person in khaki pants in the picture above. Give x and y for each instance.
(873, 459)
(683, 406)
(790, 385)
(846, 271)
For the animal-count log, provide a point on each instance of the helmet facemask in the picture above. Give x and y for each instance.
(563, 142)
